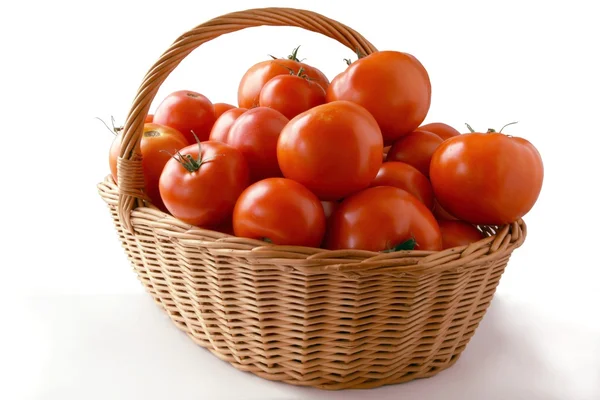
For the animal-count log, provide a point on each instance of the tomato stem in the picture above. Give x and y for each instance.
(359, 55)
(190, 163)
(510, 123)
(469, 127)
(294, 55)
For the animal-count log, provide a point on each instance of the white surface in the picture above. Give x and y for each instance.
(77, 324)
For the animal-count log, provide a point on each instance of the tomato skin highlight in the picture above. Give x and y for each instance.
(380, 218)
(458, 233)
(391, 85)
(188, 112)
(220, 108)
(487, 178)
(291, 95)
(415, 149)
(223, 124)
(281, 211)
(334, 149)
(156, 143)
(406, 177)
(205, 197)
(444, 131)
(255, 134)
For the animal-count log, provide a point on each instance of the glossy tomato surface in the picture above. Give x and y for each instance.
(406, 177)
(487, 178)
(415, 149)
(221, 127)
(391, 85)
(334, 149)
(458, 233)
(157, 144)
(381, 218)
(201, 189)
(280, 211)
(189, 112)
(255, 134)
(291, 94)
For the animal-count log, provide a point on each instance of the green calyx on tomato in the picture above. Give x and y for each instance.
(409, 244)
(190, 163)
(359, 55)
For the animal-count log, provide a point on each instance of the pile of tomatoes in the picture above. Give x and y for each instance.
(340, 164)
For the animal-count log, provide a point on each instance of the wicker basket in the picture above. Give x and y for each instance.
(328, 319)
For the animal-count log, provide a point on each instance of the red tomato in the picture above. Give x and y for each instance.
(156, 145)
(333, 149)
(291, 94)
(255, 78)
(255, 135)
(149, 118)
(201, 187)
(391, 85)
(280, 211)
(444, 131)
(440, 213)
(380, 218)
(187, 112)
(458, 233)
(220, 130)
(407, 177)
(415, 149)
(487, 178)
(220, 108)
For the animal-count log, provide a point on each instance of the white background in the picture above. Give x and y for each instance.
(76, 323)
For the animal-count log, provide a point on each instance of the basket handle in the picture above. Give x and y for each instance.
(129, 164)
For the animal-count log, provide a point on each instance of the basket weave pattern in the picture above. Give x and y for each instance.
(329, 319)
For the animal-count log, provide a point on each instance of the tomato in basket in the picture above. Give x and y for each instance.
(444, 131)
(156, 144)
(392, 85)
(458, 233)
(191, 113)
(334, 149)
(291, 94)
(201, 183)
(380, 219)
(407, 177)
(220, 108)
(222, 126)
(487, 178)
(280, 211)
(259, 74)
(255, 134)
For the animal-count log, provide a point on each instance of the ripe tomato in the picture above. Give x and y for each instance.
(444, 131)
(187, 112)
(149, 118)
(280, 211)
(201, 186)
(391, 85)
(407, 177)
(458, 233)
(256, 76)
(487, 178)
(156, 144)
(255, 135)
(220, 130)
(291, 94)
(333, 149)
(380, 218)
(415, 149)
(220, 108)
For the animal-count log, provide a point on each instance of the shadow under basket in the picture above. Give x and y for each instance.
(305, 316)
